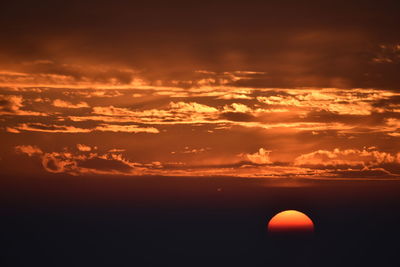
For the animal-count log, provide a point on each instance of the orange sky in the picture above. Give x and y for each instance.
(234, 92)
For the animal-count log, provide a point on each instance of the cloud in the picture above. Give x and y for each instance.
(41, 127)
(117, 150)
(47, 73)
(374, 173)
(90, 93)
(393, 123)
(183, 112)
(303, 38)
(348, 158)
(237, 107)
(59, 163)
(82, 147)
(112, 163)
(235, 95)
(65, 104)
(191, 107)
(350, 163)
(52, 128)
(125, 128)
(64, 162)
(10, 104)
(113, 111)
(29, 150)
(98, 164)
(238, 117)
(387, 54)
(307, 109)
(316, 83)
(260, 157)
(12, 130)
(188, 150)
(338, 101)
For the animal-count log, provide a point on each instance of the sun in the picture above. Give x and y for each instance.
(290, 221)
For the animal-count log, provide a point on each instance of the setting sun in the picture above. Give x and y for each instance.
(290, 221)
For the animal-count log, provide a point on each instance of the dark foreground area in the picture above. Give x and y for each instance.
(158, 221)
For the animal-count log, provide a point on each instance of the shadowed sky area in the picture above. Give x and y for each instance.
(297, 43)
(154, 221)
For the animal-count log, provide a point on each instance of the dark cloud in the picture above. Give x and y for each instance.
(237, 116)
(52, 166)
(349, 163)
(101, 164)
(325, 116)
(364, 174)
(297, 43)
(391, 167)
(389, 102)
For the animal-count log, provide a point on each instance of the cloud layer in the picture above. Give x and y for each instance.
(206, 130)
(260, 89)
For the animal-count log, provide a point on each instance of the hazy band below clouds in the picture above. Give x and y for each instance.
(319, 164)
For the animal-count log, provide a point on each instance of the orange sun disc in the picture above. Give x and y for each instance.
(290, 221)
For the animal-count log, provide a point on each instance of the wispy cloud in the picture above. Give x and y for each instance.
(29, 150)
(12, 104)
(82, 147)
(260, 157)
(125, 128)
(52, 128)
(65, 104)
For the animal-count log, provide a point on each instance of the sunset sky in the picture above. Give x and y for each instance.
(267, 89)
(199, 133)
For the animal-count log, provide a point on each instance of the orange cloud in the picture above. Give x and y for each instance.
(82, 147)
(29, 150)
(52, 128)
(191, 107)
(175, 112)
(347, 157)
(12, 104)
(237, 107)
(91, 93)
(349, 163)
(93, 163)
(59, 163)
(65, 104)
(47, 73)
(41, 127)
(299, 125)
(260, 157)
(125, 128)
(12, 130)
(339, 101)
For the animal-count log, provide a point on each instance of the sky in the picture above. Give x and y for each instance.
(266, 89)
